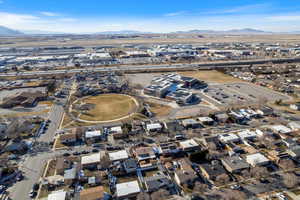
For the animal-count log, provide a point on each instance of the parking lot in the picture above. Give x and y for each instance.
(239, 93)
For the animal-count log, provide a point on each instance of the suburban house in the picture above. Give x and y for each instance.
(93, 136)
(212, 170)
(91, 161)
(68, 139)
(229, 137)
(117, 132)
(257, 159)
(234, 164)
(146, 157)
(25, 99)
(191, 123)
(168, 148)
(189, 145)
(118, 155)
(185, 175)
(130, 165)
(206, 121)
(156, 182)
(127, 190)
(155, 127)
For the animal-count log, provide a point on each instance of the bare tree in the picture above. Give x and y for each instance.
(259, 172)
(160, 194)
(286, 164)
(223, 179)
(232, 195)
(199, 187)
(143, 196)
(105, 162)
(290, 180)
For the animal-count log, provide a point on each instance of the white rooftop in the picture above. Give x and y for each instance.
(153, 126)
(247, 134)
(256, 158)
(57, 195)
(124, 189)
(205, 119)
(89, 159)
(281, 128)
(294, 125)
(118, 155)
(229, 137)
(188, 143)
(116, 129)
(90, 134)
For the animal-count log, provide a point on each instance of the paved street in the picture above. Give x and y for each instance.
(206, 65)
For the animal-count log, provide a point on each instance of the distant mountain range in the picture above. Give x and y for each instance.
(4, 31)
(9, 32)
(233, 31)
(121, 32)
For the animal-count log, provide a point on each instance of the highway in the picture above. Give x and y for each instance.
(138, 68)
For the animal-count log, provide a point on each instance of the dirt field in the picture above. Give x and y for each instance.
(34, 41)
(211, 76)
(108, 107)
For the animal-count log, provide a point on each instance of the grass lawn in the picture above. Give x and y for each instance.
(108, 107)
(211, 76)
(159, 110)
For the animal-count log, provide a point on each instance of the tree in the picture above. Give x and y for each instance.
(290, 180)
(160, 194)
(105, 162)
(143, 196)
(223, 179)
(233, 195)
(259, 172)
(199, 187)
(286, 164)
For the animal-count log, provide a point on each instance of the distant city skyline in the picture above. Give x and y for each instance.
(90, 16)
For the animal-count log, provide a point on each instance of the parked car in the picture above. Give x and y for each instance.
(95, 150)
(76, 153)
(35, 187)
(85, 152)
(66, 154)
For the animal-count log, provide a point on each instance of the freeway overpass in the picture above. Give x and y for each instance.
(153, 68)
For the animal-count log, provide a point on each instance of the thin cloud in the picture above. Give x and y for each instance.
(1, 1)
(174, 14)
(49, 14)
(240, 9)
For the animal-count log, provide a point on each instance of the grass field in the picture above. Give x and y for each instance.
(211, 76)
(108, 107)
(159, 110)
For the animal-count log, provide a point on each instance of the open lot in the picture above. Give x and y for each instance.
(211, 76)
(108, 107)
(42, 41)
(7, 93)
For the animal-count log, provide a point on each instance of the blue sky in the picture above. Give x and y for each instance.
(86, 16)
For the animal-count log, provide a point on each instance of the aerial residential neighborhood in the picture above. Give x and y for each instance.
(149, 100)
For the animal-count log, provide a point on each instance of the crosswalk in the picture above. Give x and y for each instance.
(4, 196)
